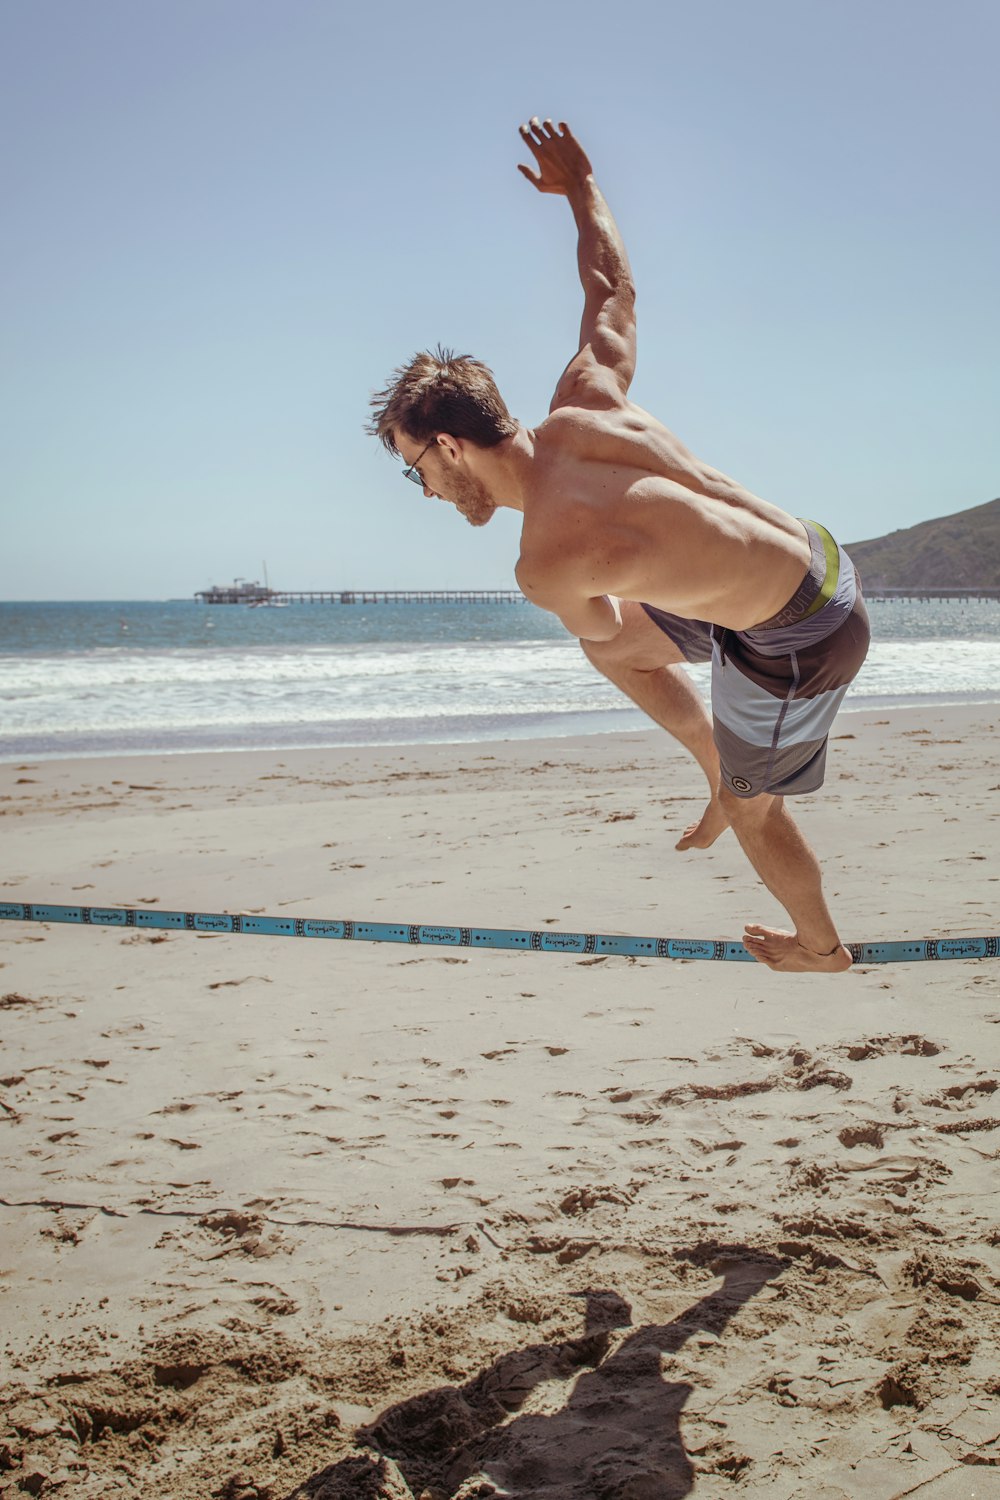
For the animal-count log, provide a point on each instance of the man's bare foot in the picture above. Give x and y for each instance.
(783, 951)
(702, 834)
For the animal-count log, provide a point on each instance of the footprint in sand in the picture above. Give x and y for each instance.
(912, 1045)
(862, 1135)
(276, 1304)
(963, 1095)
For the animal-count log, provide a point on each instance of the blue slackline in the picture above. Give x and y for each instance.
(907, 950)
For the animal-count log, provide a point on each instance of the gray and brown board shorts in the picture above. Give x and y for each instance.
(776, 688)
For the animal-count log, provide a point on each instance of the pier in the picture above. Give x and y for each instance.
(240, 592)
(406, 596)
(960, 596)
(255, 593)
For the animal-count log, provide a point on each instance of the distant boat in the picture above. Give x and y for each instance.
(269, 601)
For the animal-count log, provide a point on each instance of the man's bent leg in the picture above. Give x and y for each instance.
(648, 667)
(788, 867)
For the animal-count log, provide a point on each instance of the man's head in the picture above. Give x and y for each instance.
(431, 413)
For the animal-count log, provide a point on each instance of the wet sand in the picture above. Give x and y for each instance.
(287, 1219)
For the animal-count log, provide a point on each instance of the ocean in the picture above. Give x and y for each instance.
(107, 678)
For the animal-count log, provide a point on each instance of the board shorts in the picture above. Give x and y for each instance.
(776, 688)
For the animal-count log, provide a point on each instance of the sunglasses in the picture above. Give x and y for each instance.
(410, 472)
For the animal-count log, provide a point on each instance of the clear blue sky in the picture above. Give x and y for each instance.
(226, 221)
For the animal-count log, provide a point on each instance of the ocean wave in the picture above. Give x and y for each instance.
(116, 698)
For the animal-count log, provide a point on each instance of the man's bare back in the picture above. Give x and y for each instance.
(612, 491)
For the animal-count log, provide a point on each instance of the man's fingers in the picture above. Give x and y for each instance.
(534, 178)
(536, 133)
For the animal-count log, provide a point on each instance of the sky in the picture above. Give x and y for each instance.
(228, 221)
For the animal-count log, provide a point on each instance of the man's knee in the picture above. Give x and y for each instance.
(746, 811)
(606, 655)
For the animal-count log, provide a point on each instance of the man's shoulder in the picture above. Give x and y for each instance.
(589, 383)
(579, 435)
(581, 426)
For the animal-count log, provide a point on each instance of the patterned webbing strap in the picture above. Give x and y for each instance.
(905, 951)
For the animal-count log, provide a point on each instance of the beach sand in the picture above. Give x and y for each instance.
(285, 1219)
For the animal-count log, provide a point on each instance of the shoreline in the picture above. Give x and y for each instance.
(539, 731)
(271, 1188)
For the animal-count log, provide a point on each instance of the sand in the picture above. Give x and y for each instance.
(285, 1219)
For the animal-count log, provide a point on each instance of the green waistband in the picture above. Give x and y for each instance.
(832, 575)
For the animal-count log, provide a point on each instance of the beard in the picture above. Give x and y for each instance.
(472, 499)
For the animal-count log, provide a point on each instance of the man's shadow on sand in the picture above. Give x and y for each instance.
(617, 1438)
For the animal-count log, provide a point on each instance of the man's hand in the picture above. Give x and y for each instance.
(562, 162)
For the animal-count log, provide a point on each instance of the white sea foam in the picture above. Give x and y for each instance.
(118, 698)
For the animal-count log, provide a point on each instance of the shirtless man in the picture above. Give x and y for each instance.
(653, 558)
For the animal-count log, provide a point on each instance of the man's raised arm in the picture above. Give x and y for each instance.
(603, 368)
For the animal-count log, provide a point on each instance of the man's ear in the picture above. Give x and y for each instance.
(452, 447)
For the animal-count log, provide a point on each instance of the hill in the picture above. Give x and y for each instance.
(959, 551)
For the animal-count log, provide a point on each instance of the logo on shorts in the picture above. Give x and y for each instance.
(740, 785)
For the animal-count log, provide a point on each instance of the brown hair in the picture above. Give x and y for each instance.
(441, 392)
